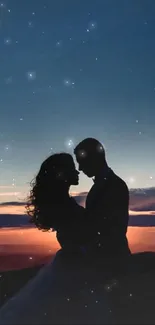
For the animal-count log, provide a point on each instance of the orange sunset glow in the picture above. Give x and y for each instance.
(26, 246)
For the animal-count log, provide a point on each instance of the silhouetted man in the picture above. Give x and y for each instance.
(107, 201)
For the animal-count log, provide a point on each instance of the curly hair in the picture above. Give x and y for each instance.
(45, 190)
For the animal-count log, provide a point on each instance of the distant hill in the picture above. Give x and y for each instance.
(142, 221)
(12, 281)
(130, 298)
(14, 220)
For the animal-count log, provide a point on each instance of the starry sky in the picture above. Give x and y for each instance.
(75, 69)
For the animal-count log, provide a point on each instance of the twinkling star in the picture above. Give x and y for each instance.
(68, 83)
(7, 41)
(59, 43)
(70, 143)
(92, 25)
(31, 75)
(131, 180)
(30, 24)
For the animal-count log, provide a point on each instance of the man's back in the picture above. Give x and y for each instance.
(107, 205)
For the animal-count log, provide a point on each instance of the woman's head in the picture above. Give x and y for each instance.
(57, 173)
(58, 169)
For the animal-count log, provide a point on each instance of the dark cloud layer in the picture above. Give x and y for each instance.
(13, 203)
(142, 203)
(140, 200)
(14, 220)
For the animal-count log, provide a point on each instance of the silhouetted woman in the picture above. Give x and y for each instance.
(50, 205)
(58, 294)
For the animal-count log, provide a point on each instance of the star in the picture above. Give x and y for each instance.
(31, 75)
(30, 24)
(69, 143)
(92, 25)
(82, 153)
(7, 148)
(131, 180)
(59, 43)
(67, 82)
(7, 41)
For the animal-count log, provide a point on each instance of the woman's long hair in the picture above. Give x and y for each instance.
(46, 190)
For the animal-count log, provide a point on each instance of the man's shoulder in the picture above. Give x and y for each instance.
(119, 181)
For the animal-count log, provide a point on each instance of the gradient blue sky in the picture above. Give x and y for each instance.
(73, 69)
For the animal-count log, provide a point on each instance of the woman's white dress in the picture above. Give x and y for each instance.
(60, 293)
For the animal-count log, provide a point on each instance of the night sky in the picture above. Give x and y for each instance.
(74, 69)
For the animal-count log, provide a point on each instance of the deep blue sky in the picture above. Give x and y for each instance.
(73, 69)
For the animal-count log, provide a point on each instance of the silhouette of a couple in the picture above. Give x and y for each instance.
(99, 228)
(86, 236)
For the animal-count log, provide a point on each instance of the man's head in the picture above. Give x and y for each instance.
(90, 156)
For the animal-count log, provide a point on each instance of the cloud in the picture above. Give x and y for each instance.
(12, 208)
(9, 193)
(14, 203)
(14, 220)
(142, 220)
(142, 202)
(142, 199)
